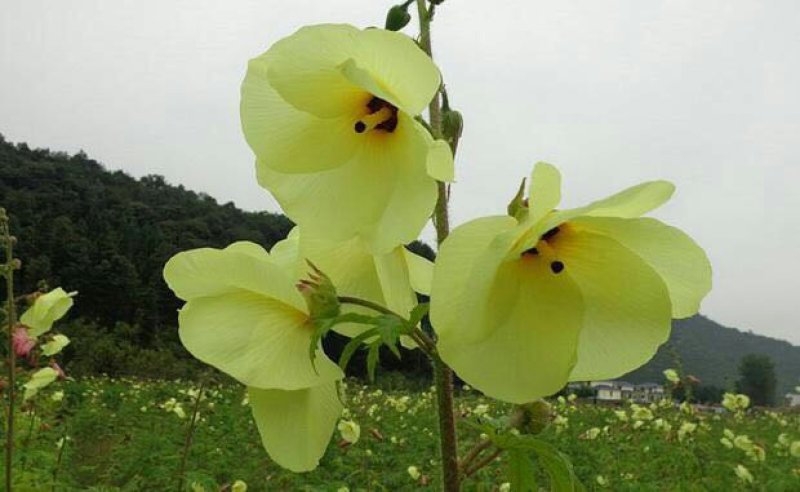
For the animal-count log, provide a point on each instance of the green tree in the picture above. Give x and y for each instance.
(757, 379)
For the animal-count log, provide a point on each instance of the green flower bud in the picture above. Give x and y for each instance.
(397, 17)
(452, 124)
(518, 206)
(531, 418)
(319, 294)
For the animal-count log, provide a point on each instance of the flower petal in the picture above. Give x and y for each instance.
(208, 272)
(681, 263)
(296, 426)
(544, 193)
(46, 310)
(398, 66)
(535, 317)
(440, 161)
(462, 275)
(257, 340)
(248, 248)
(627, 304)
(286, 253)
(629, 203)
(420, 272)
(39, 380)
(55, 345)
(383, 193)
(304, 70)
(285, 138)
(632, 202)
(356, 272)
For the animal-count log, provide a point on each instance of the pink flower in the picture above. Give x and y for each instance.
(22, 342)
(59, 371)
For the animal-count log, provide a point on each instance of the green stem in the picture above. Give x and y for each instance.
(5, 237)
(60, 457)
(473, 453)
(188, 442)
(442, 375)
(482, 462)
(420, 337)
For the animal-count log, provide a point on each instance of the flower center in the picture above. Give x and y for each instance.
(381, 116)
(547, 251)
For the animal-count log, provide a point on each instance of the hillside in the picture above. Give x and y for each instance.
(108, 235)
(712, 352)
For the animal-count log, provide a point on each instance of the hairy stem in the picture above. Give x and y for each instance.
(11, 314)
(482, 462)
(474, 453)
(442, 375)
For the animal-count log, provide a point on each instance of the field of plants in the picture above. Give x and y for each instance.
(122, 434)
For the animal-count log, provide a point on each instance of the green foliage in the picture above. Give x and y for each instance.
(122, 438)
(108, 235)
(757, 379)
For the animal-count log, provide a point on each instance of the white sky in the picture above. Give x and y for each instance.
(705, 94)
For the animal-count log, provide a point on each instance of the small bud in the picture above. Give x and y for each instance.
(518, 206)
(531, 418)
(397, 17)
(16, 264)
(452, 124)
(319, 294)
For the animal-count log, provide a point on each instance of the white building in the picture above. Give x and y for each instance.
(623, 390)
(792, 399)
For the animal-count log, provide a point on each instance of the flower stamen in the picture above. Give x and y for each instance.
(382, 116)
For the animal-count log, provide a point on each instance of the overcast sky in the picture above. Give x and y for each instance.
(705, 94)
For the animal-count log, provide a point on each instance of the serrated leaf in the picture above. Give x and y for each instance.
(419, 312)
(521, 471)
(389, 327)
(353, 345)
(321, 328)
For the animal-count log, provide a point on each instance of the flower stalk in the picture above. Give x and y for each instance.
(443, 375)
(11, 317)
(190, 433)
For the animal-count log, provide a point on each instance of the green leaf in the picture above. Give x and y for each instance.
(389, 327)
(321, 328)
(521, 471)
(419, 312)
(353, 345)
(556, 464)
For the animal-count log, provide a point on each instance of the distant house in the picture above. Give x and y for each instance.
(623, 390)
(792, 399)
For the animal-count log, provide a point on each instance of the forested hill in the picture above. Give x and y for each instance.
(712, 352)
(108, 235)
